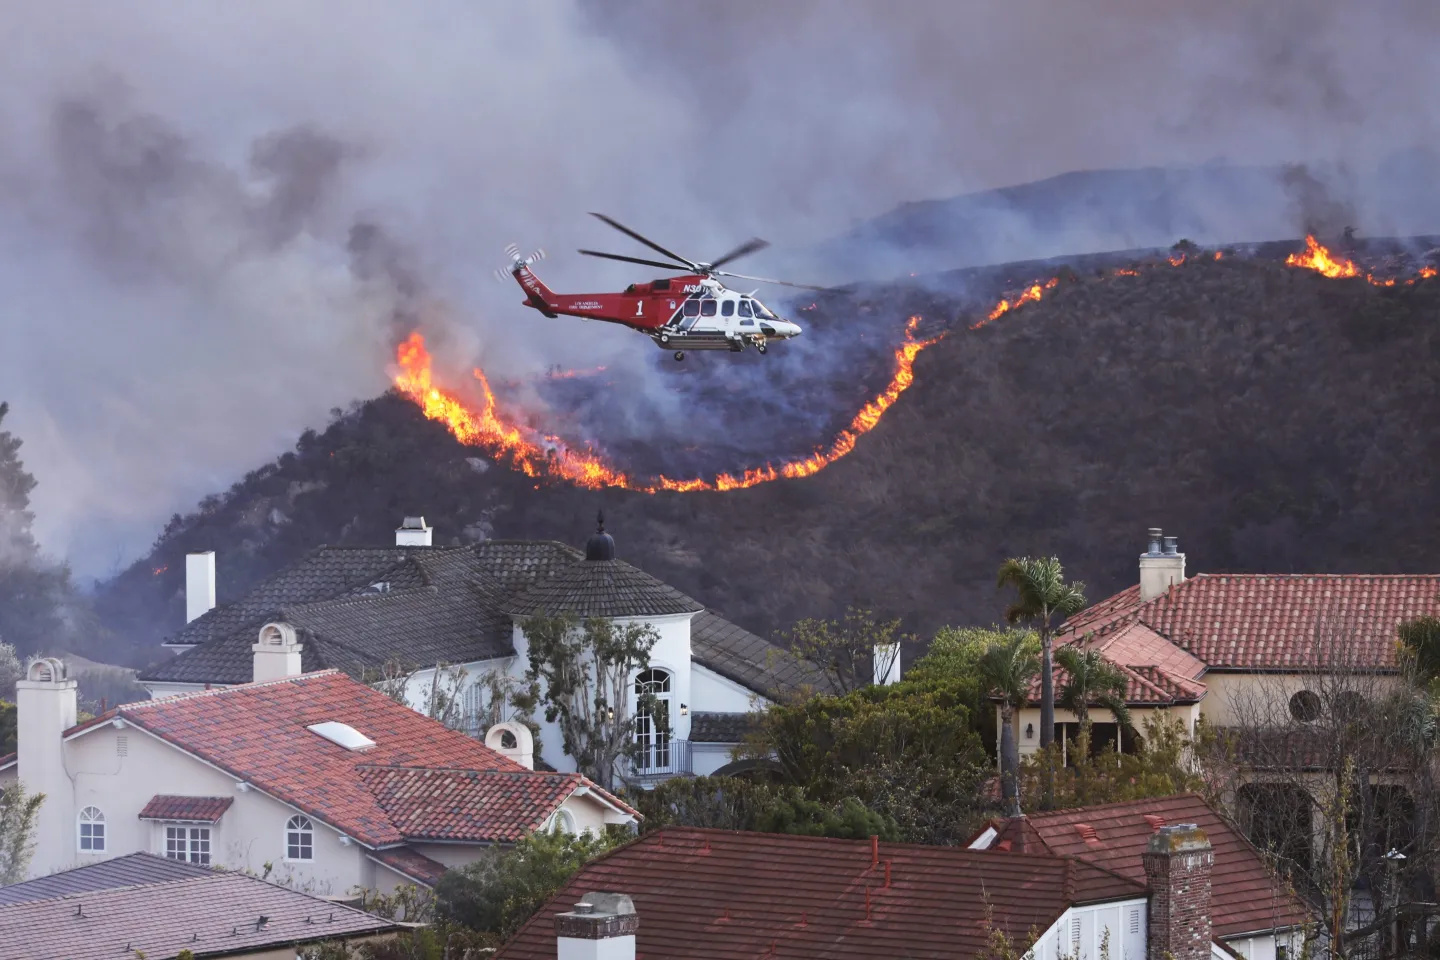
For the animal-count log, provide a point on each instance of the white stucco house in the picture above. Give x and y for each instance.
(357, 609)
(314, 779)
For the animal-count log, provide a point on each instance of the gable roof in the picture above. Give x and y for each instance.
(191, 809)
(427, 804)
(1271, 622)
(217, 914)
(127, 871)
(721, 895)
(601, 588)
(258, 734)
(1244, 896)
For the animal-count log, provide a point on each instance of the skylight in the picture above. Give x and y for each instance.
(342, 734)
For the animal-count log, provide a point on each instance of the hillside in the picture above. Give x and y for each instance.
(1271, 418)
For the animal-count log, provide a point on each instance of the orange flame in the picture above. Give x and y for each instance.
(1427, 272)
(537, 455)
(1316, 257)
(1029, 295)
(159, 570)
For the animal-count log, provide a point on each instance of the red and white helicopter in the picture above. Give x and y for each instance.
(690, 312)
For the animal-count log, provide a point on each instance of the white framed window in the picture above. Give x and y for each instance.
(563, 822)
(92, 830)
(299, 839)
(188, 843)
(654, 741)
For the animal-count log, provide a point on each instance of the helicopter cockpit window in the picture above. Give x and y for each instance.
(727, 309)
(744, 309)
(692, 308)
(763, 312)
(707, 308)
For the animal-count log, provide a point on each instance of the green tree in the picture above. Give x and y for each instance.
(1420, 642)
(904, 751)
(499, 892)
(732, 803)
(1092, 679)
(18, 811)
(1006, 668)
(581, 677)
(1041, 594)
(1161, 766)
(850, 652)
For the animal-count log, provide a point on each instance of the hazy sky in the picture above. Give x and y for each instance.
(180, 182)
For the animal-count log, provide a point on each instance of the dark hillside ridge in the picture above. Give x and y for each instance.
(1273, 419)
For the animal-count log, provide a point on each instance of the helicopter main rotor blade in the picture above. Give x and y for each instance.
(635, 236)
(783, 283)
(745, 249)
(648, 263)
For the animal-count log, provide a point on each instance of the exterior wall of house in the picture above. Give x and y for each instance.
(1261, 946)
(1080, 931)
(706, 758)
(1030, 717)
(158, 690)
(1230, 694)
(716, 694)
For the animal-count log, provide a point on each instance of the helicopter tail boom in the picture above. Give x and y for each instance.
(537, 295)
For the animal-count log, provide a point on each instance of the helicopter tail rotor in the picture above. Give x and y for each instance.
(512, 251)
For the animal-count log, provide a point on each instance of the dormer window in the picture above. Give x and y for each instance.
(342, 734)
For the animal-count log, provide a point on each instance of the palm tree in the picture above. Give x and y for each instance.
(1041, 593)
(1006, 667)
(1092, 679)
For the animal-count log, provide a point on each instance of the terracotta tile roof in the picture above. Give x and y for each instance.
(126, 871)
(1244, 896)
(1270, 621)
(210, 915)
(601, 588)
(1145, 686)
(411, 864)
(257, 733)
(1134, 643)
(467, 804)
(719, 895)
(197, 809)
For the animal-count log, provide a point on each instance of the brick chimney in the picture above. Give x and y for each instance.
(277, 653)
(1177, 862)
(1161, 566)
(45, 704)
(199, 584)
(601, 927)
(413, 532)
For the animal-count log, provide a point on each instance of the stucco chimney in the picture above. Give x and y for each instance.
(277, 653)
(1161, 566)
(45, 708)
(413, 532)
(199, 584)
(601, 927)
(1177, 862)
(887, 664)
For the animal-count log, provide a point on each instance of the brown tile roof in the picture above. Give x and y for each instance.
(127, 871)
(1145, 686)
(1270, 621)
(258, 733)
(216, 914)
(719, 895)
(196, 809)
(412, 864)
(1244, 898)
(465, 804)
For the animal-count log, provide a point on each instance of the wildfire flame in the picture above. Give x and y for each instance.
(1029, 295)
(540, 456)
(159, 570)
(1316, 257)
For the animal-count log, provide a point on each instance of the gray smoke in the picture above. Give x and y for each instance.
(215, 219)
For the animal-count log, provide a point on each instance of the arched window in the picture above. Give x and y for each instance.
(92, 830)
(563, 822)
(652, 720)
(1305, 706)
(299, 839)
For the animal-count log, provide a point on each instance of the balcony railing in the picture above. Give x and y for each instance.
(659, 762)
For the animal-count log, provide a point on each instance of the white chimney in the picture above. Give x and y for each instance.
(45, 708)
(887, 664)
(513, 740)
(1161, 566)
(413, 532)
(277, 653)
(601, 927)
(199, 584)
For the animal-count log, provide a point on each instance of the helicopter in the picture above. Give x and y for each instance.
(690, 312)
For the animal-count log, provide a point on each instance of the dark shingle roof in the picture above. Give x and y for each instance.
(125, 871)
(751, 661)
(720, 727)
(602, 588)
(215, 914)
(197, 809)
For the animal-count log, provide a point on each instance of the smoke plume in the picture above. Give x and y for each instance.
(216, 219)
